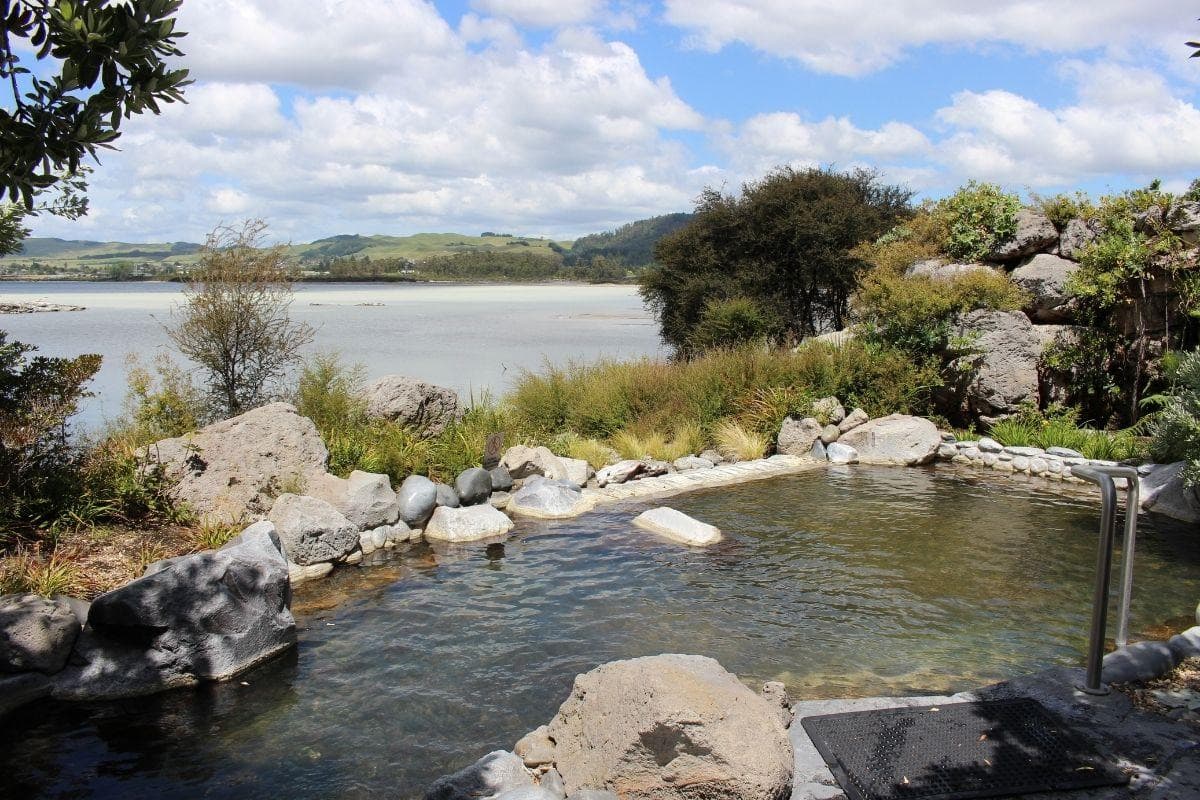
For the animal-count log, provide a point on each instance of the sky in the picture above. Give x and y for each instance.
(565, 117)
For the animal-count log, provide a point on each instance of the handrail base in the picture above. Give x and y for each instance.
(1099, 691)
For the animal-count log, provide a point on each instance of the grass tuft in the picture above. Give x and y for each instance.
(738, 443)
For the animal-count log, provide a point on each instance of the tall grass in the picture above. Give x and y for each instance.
(1034, 430)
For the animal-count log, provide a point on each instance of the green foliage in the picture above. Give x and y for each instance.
(729, 323)
(330, 393)
(598, 400)
(1193, 191)
(37, 462)
(1062, 208)
(161, 402)
(1014, 432)
(739, 443)
(1176, 427)
(978, 217)
(630, 245)
(525, 265)
(1059, 428)
(111, 63)
(918, 239)
(785, 243)
(916, 314)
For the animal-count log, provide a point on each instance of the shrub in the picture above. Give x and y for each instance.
(1062, 208)
(1193, 191)
(162, 403)
(1176, 428)
(595, 452)
(918, 239)
(330, 393)
(738, 443)
(978, 217)
(728, 323)
(1015, 432)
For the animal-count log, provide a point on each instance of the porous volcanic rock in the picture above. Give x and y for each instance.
(895, 439)
(1005, 368)
(411, 402)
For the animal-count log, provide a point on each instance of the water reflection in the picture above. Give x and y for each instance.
(860, 581)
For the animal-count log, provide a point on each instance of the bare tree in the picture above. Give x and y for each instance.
(234, 322)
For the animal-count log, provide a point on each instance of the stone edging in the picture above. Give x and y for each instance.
(1034, 461)
(721, 475)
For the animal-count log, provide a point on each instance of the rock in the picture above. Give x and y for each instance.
(311, 572)
(207, 616)
(1028, 452)
(494, 774)
(502, 480)
(372, 540)
(829, 409)
(1037, 466)
(576, 470)
(619, 472)
(1162, 491)
(522, 461)
(819, 452)
(853, 420)
(467, 524)
(234, 469)
(677, 526)
(312, 530)
(1064, 452)
(527, 793)
(938, 270)
(946, 452)
(364, 498)
(552, 783)
(1076, 235)
(1045, 278)
(592, 794)
(670, 726)
(895, 439)
(500, 500)
(1141, 661)
(547, 499)
(1005, 370)
(834, 338)
(417, 497)
(412, 403)
(446, 496)
(1185, 645)
(652, 468)
(689, 463)
(23, 687)
(1184, 219)
(713, 456)
(536, 747)
(36, 634)
(1035, 232)
(473, 486)
(840, 453)
(775, 693)
(987, 445)
(830, 434)
(796, 436)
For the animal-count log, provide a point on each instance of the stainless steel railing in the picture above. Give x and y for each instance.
(1104, 477)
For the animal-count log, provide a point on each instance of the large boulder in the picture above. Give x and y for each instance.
(895, 439)
(678, 527)
(939, 270)
(797, 436)
(576, 470)
(548, 499)
(467, 524)
(1184, 219)
(494, 774)
(1163, 491)
(1005, 365)
(670, 726)
(413, 403)
(1045, 278)
(473, 486)
(417, 497)
(1035, 233)
(364, 498)
(1076, 235)
(311, 530)
(522, 461)
(36, 633)
(233, 470)
(207, 616)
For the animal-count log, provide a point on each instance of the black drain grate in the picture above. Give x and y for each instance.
(959, 750)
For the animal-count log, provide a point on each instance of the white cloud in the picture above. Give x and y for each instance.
(856, 37)
(542, 13)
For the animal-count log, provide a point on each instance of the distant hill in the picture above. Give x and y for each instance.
(631, 245)
(69, 249)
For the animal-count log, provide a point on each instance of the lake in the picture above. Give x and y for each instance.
(470, 337)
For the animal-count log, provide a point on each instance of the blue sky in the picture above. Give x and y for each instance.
(564, 117)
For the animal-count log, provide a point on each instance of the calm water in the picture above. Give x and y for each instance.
(863, 581)
(468, 337)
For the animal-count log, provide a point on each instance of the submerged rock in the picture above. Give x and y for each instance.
(670, 726)
(467, 524)
(677, 526)
(547, 499)
(494, 774)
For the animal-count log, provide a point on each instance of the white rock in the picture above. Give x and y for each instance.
(677, 526)
(467, 524)
(895, 439)
(839, 453)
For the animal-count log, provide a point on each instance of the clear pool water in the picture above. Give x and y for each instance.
(857, 581)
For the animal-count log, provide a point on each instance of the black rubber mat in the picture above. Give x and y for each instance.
(958, 750)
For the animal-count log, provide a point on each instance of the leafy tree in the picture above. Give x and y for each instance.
(235, 320)
(109, 63)
(784, 244)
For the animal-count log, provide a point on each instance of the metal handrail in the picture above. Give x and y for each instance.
(1103, 477)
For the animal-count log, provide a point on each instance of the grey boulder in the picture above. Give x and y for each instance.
(1004, 370)
(413, 403)
(895, 439)
(670, 726)
(522, 461)
(446, 496)
(1035, 232)
(829, 409)
(1045, 279)
(1163, 491)
(473, 486)
(235, 468)
(36, 633)
(689, 463)
(678, 527)
(502, 480)
(840, 453)
(1184, 219)
(620, 472)
(495, 773)
(312, 530)
(417, 497)
(546, 499)
(939, 270)
(853, 420)
(1076, 235)
(364, 498)
(576, 470)
(467, 524)
(206, 616)
(796, 436)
